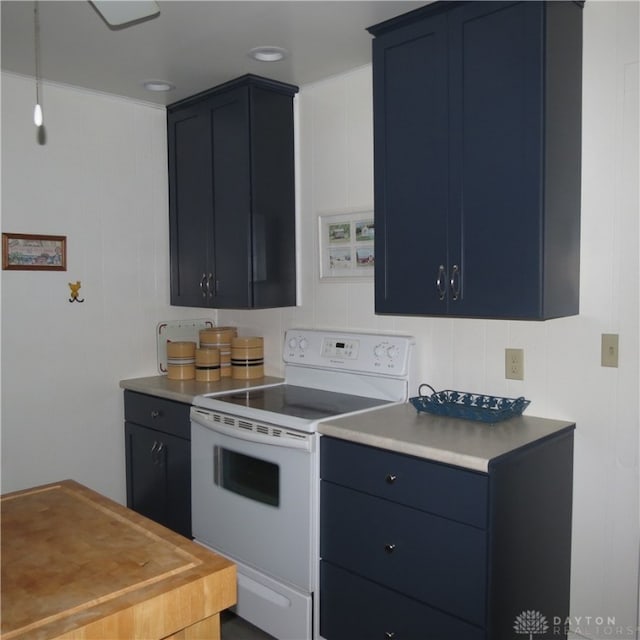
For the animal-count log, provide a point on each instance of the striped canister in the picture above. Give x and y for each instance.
(219, 338)
(181, 358)
(208, 365)
(247, 357)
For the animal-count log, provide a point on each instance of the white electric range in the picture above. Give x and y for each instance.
(255, 466)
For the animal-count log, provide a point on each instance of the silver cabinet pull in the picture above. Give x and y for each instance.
(389, 548)
(156, 450)
(440, 282)
(389, 635)
(156, 413)
(391, 478)
(211, 289)
(203, 285)
(455, 282)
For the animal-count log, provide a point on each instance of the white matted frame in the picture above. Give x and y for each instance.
(345, 244)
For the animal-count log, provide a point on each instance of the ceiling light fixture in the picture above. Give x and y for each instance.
(268, 54)
(117, 13)
(157, 85)
(37, 111)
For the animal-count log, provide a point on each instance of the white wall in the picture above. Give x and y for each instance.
(101, 181)
(563, 376)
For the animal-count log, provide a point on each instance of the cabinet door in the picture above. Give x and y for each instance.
(496, 134)
(159, 477)
(190, 205)
(231, 178)
(410, 156)
(273, 217)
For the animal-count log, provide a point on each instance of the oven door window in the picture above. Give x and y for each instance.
(247, 476)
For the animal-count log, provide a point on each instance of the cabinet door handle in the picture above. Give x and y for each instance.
(440, 282)
(389, 548)
(455, 281)
(156, 450)
(391, 478)
(389, 635)
(203, 285)
(154, 453)
(211, 289)
(156, 413)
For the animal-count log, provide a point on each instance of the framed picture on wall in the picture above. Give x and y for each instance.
(34, 252)
(346, 244)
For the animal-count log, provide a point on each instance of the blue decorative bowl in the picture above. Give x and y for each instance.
(468, 406)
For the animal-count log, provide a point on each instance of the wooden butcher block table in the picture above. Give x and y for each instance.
(76, 565)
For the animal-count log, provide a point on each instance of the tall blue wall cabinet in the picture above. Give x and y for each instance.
(232, 196)
(477, 125)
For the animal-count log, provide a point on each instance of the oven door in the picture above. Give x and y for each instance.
(253, 493)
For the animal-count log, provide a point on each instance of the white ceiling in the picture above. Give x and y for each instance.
(193, 44)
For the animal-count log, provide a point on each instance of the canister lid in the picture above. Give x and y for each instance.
(217, 334)
(207, 356)
(247, 342)
(180, 349)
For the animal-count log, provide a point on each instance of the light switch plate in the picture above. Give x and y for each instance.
(609, 350)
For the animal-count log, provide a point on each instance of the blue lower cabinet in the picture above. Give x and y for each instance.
(398, 563)
(158, 460)
(353, 608)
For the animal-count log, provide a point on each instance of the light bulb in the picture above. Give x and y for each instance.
(37, 115)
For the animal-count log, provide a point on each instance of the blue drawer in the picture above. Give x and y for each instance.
(352, 608)
(156, 413)
(431, 559)
(446, 491)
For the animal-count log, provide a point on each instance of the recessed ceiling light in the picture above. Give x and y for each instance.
(157, 85)
(268, 54)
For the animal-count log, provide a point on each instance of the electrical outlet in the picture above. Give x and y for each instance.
(609, 350)
(514, 364)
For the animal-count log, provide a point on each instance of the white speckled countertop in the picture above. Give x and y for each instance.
(186, 390)
(463, 443)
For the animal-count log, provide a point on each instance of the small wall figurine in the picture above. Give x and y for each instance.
(75, 288)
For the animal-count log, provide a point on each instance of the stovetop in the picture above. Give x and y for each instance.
(328, 374)
(300, 402)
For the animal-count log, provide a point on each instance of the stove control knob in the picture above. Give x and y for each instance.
(393, 352)
(292, 343)
(379, 350)
(303, 344)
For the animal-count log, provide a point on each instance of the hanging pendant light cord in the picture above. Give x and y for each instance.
(36, 39)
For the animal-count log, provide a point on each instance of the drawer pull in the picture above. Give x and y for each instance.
(389, 635)
(156, 413)
(389, 548)
(391, 478)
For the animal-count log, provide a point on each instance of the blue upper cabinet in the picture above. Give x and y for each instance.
(232, 196)
(477, 128)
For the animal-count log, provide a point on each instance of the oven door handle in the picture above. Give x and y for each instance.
(290, 442)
